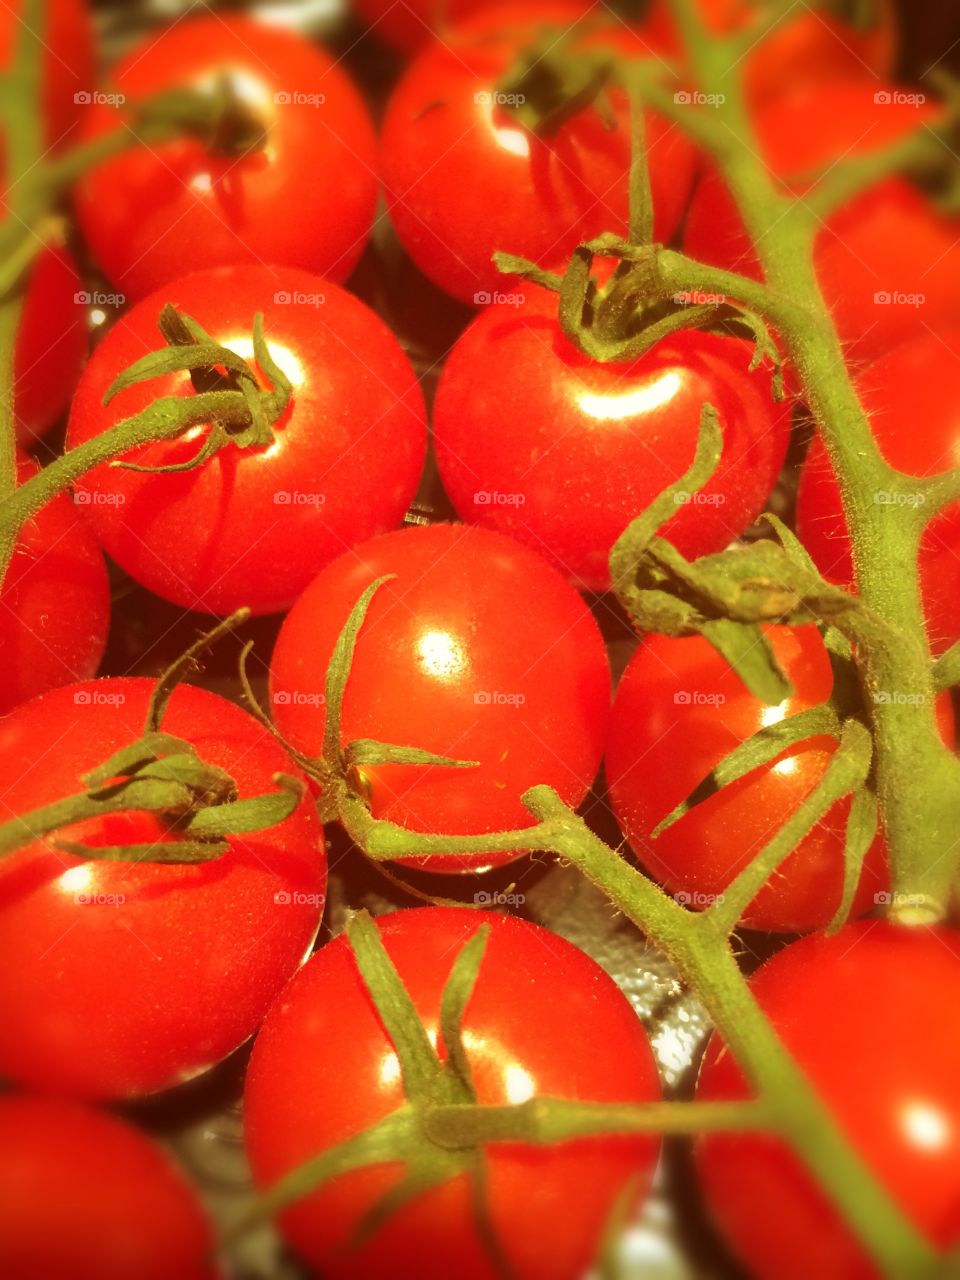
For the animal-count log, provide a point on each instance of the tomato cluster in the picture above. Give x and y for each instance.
(435, 575)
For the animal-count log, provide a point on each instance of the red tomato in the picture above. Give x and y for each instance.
(843, 1007)
(51, 343)
(411, 25)
(253, 527)
(477, 650)
(539, 441)
(679, 710)
(913, 385)
(808, 46)
(55, 602)
(323, 1069)
(305, 200)
(66, 61)
(84, 1195)
(887, 260)
(134, 976)
(464, 179)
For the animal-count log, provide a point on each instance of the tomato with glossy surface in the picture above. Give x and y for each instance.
(807, 46)
(66, 61)
(679, 709)
(479, 650)
(324, 1069)
(887, 260)
(305, 199)
(55, 602)
(134, 976)
(561, 451)
(844, 1007)
(51, 344)
(464, 178)
(911, 396)
(254, 526)
(85, 1195)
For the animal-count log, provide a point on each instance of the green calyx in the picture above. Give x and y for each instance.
(196, 803)
(216, 116)
(551, 80)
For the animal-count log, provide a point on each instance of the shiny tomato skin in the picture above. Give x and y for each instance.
(464, 179)
(253, 527)
(879, 253)
(844, 1007)
(478, 650)
(132, 977)
(306, 199)
(84, 1194)
(679, 710)
(806, 47)
(560, 451)
(55, 602)
(67, 62)
(321, 1071)
(912, 386)
(51, 343)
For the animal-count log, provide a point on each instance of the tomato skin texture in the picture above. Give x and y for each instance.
(464, 179)
(55, 602)
(472, 623)
(842, 1005)
(254, 527)
(307, 200)
(51, 344)
(912, 384)
(67, 61)
(521, 413)
(84, 1194)
(319, 1073)
(678, 711)
(885, 242)
(807, 47)
(117, 999)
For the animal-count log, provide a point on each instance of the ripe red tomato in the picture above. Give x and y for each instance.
(253, 527)
(85, 1195)
(323, 1069)
(541, 442)
(55, 602)
(886, 260)
(680, 708)
(134, 976)
(463, 178)
(806, 47)
(477, 650)
(306, 199)
(51, 343)
(66, 61)
(410, 26)
(842, 1006)
(910, 386)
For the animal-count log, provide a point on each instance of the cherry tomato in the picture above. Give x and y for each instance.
(305, 199)
(843, 1006)
(253, 527)
(66, 68)
(134, 976)
(55, 602)
(85, 1195)
(680, 708)
(561, 451)
(887, 259)
(323, 1069)
(477, 650)
(807, 46)
(912, 386)
(464, 178)
(409, 26)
